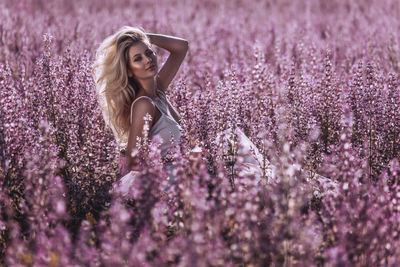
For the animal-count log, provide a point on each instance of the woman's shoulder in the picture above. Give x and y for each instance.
(142, 103)
(141, 106)
(141, 99)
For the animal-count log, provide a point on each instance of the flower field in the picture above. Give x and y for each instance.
(313, 84)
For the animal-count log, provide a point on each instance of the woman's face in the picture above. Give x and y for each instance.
(141, 57)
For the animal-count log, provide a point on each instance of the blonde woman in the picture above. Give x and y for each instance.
(130, 84)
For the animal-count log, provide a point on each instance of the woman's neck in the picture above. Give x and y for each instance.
(148, 88)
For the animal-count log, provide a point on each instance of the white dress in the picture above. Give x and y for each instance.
(252, 158)
(168, 129)
(253, 162)
(170, 132)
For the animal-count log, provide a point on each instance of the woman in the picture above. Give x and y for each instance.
(130, 85)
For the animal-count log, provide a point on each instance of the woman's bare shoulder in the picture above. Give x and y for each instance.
(141, 107)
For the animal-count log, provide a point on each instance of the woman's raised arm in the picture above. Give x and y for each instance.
(171, 43)
(178, 48)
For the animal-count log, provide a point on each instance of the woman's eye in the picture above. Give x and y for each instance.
(150, 52)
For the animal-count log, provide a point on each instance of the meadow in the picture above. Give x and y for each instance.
(312, 83)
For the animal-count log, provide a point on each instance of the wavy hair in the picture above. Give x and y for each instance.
(115, 90)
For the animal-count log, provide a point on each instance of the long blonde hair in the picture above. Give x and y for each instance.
(115, 90)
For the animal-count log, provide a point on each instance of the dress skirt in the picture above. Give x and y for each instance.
(129, 178)
(250, 165)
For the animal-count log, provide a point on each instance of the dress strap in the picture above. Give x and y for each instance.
(151, 100)
(139, 98)
(161, 93)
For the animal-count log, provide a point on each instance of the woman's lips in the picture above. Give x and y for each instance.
(151, 67)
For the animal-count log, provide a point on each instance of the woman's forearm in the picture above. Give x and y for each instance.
(171, 43)
(133, 164)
